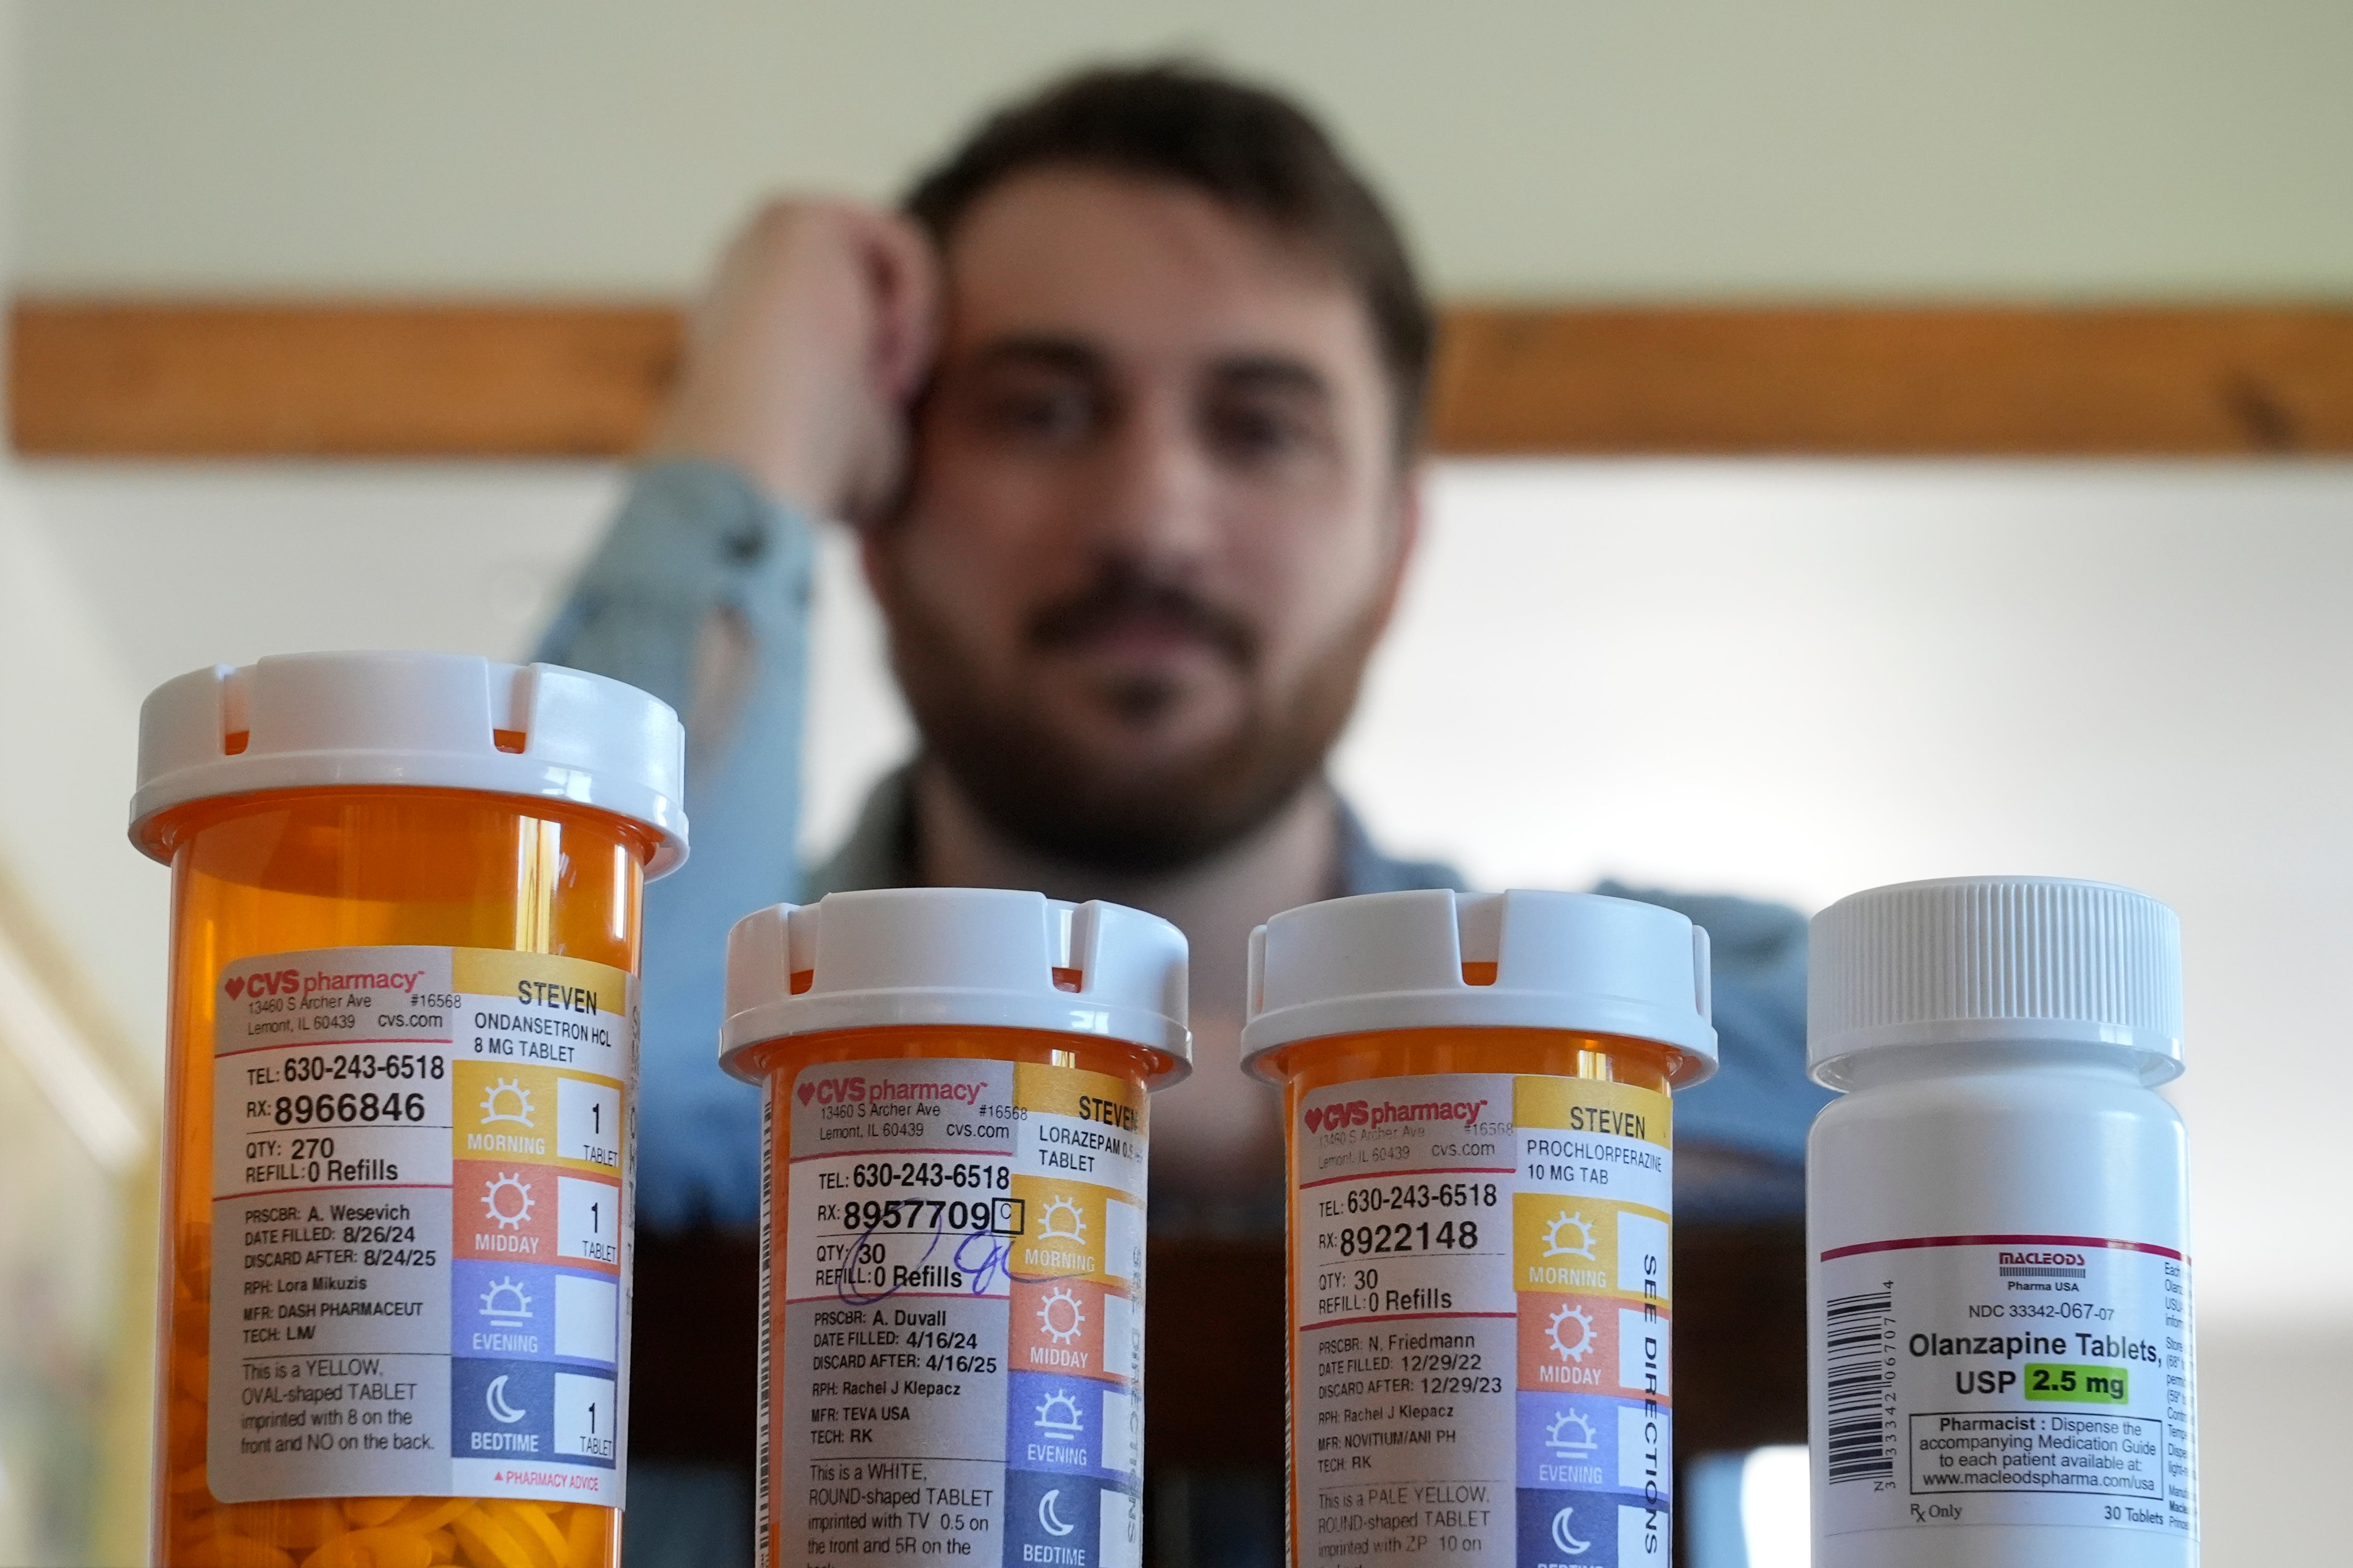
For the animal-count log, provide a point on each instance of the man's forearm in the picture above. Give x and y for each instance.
(699, 594)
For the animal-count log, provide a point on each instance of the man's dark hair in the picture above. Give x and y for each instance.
(1250, 147)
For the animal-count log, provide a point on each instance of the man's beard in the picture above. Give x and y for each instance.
(1038, 786)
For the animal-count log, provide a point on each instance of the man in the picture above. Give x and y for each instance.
(1126, 409)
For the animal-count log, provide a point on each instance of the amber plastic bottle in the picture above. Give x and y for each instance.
(404, 931)
(952, 1283)
(1477, 1123)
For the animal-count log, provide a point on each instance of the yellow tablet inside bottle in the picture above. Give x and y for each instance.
(953, 1292)
(1475, 1093)
(405, 892)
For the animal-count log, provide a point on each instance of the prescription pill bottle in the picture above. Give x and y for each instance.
(2003, 1364)
(402, 1057)
(951, 1230)
(1475, 1099)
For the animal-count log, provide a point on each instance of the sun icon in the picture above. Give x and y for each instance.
(1565, 1221)
(512, 1212)
(1555, 1437)
(1073, 1226)
(518, 1103)
(1061, 1315)
(1059, 1415)
(506, 1298)
(1584, 1341)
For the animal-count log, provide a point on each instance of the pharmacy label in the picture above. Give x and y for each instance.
(422, 1194)
(1970, 1380)
(959, 1372)
(1482, 1295)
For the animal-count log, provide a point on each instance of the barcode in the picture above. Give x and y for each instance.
(1859, 1368)
(761, 1522)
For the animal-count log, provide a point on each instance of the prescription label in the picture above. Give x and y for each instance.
(1481, 1296)
(2006, 1380)
(422, 1194)
(958, 1370)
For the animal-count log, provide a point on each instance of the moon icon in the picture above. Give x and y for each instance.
(1564, 1539)
(495, 1397)
(1049, 1518)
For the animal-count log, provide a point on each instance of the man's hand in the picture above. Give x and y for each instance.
(803, 352)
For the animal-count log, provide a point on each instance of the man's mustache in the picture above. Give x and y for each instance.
(1120, 596)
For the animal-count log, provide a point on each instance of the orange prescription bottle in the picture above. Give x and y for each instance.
(1475, 1094)
(952, 1281)
(403, 1056)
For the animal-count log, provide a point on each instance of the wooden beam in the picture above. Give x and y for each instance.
(100, 378)
(1915, 382)
(123, 379)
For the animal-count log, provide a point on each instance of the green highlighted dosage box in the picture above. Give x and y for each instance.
(2076, 1384)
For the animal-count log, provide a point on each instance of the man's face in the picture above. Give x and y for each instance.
(1156, 522)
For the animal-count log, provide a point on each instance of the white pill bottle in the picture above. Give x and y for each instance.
(2003, 1364)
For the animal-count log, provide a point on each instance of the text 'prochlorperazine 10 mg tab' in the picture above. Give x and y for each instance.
(1481, 1182)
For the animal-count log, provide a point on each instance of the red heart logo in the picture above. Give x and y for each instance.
(1314, 1118)
(806, 1090)
(237, 988)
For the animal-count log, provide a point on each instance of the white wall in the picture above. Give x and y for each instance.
(71, 722)
(1799, 679)
(1577, 147)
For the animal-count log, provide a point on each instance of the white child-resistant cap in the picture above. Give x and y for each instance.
(433, 720)
(1580, 962)
(1987, 959)
(982, 957)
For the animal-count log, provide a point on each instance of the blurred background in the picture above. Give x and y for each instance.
(1878, 442)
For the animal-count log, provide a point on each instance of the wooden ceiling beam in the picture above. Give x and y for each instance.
(121, 378)
(96, 378)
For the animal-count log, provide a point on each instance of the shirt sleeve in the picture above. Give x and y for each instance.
(696, 541)
(1760, 1104)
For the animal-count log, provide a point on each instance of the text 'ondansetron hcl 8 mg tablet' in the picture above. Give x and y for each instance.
(2003, 1365)
(1476, 1099)
(952, 1231)
(403, 1062)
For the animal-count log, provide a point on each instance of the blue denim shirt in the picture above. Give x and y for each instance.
(695, 538)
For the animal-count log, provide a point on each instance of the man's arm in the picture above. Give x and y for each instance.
(1740, 1137)
(699, 594)
(790, 407)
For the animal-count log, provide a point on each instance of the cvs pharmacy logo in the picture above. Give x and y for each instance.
(833, 1091)
(274, 983)
(1356, 1113)
(1392, 1113)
